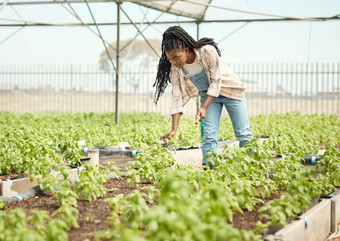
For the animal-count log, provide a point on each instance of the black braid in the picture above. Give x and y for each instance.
(175, 38)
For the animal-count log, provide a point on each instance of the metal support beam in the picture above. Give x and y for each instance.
(117, 62)
(28, 24)
(197, 37)
(75, 1)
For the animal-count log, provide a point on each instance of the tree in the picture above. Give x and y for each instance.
(138, 51)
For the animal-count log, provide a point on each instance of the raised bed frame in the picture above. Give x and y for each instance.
(314, 225)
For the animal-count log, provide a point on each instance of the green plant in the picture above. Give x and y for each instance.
(123, 235)
(56, 230)
(14, 225)
(90, 185)
(70, 151)
(2, 204)
(64, 194)
(116, 208)
(246, 193)
(135, 209)
(329, 174)
(184, 199)
(67, 215)
(150, 161)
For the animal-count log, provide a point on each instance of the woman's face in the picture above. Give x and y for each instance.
(178, 57)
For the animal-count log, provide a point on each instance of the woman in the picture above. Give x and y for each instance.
(195, 68)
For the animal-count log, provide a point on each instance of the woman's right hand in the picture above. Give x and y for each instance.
(168, 135)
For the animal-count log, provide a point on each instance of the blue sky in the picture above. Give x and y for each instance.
(297, 41)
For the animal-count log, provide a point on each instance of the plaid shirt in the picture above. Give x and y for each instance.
(222, 80)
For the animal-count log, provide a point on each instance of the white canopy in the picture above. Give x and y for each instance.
(181, 8)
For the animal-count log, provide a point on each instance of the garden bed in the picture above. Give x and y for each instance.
(92, 215)
(245, 194)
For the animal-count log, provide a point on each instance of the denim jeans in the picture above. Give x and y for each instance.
(237, 111)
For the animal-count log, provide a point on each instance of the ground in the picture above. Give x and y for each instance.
(92, 215)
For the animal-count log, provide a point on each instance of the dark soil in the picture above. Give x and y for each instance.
(248, 219)
(92, 215)
(323, 144)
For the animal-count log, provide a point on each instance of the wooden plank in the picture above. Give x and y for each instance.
(22, 184)
(319, 225)
(193, 156)
(335, 211)
(5, 187)
(190, 156)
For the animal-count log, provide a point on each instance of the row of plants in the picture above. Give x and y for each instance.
(183, 198)
(29, 139)
(16, 225)
(25, 139)
(189, 199)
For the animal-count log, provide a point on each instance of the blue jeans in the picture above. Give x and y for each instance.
(237, 111)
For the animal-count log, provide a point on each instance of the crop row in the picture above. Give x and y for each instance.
(183, 199)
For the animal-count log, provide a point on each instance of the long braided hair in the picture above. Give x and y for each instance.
(175, 37)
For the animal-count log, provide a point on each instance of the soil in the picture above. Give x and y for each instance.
(323, 144)
(92, 215)
(248, 219)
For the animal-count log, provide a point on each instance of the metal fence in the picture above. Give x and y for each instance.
(271, 87)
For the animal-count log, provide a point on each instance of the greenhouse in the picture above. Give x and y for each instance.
(112, 125)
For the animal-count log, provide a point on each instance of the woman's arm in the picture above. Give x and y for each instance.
(175, 122)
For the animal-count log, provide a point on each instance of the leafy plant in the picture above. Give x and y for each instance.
(148, 163)
(90, 185)
(116, 208)
(135, 209)
(67, 215)
(184, 199)
(2, 204)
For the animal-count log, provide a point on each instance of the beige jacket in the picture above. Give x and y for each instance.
(223, 81)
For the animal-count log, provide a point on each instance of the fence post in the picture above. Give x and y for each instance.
(71, 90)
(328, 91)
(317, 86)
(338, 86)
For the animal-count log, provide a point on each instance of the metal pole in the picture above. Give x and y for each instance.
(338, 73)
(317, 88)
(117, 62)
(198, 37)
(71, 91)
